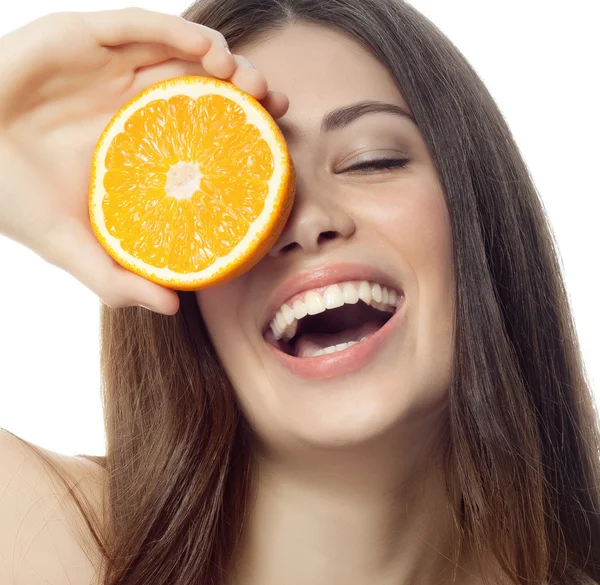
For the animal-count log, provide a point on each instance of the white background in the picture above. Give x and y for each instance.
(540, 61)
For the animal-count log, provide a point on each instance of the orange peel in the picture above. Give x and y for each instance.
(191, 183)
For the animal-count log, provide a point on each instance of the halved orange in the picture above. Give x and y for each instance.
(191, 183)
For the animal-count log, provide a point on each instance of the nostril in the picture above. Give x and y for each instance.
(289, 247)
(324, 236)
(321, 239)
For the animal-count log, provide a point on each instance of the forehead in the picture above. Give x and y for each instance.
(320, 69)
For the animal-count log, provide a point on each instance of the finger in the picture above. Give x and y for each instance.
(215, 63)
(76, 250)
(146, 293)
(218, 62)
(137, 55)
(244, 75)
(147, 76)
(137, 25)
(276, 103)
(248, 79)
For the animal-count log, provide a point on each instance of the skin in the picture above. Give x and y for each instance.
(349, 482)
(350, 489)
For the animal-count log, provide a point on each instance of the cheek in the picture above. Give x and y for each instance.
(219, 307)
(414, 223)
(413, 219)
(235, 344)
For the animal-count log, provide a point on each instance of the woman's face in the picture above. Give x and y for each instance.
(361, 229)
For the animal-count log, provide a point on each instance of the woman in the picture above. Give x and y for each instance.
(455, 442)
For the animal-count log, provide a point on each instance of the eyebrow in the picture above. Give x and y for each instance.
(345, 115)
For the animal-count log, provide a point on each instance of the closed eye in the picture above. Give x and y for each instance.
(378, 164)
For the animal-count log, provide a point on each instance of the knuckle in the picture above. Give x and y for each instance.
(218, 37)
(106, 302)
(210, 33)
(241, 60)
(49, 254)
(113, 302)
(61, 20)
(133, 11)
(49, 248)
(181, 20)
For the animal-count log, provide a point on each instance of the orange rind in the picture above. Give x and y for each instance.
(191, 183)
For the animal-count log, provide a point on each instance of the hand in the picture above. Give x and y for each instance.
(64, 78)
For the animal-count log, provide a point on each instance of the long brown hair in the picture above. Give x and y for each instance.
(523, 440)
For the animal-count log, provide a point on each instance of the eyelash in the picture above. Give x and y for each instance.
(378, 164)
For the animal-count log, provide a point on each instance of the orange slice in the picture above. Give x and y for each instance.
(191, 183)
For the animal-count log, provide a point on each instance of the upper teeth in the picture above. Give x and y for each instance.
(285, 323)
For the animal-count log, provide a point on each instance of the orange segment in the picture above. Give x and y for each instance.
(191, 183)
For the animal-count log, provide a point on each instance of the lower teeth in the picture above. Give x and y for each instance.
(331, 348)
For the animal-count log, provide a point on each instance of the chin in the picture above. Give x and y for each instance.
(341, 413)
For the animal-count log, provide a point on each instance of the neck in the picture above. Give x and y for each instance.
(377, 513)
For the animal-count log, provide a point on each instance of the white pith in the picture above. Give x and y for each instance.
(257, 231)
(183, 180)
(284, 324)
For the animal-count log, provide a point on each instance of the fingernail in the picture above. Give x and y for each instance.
(153, 309)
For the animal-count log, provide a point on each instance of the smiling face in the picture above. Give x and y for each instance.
(381, 234)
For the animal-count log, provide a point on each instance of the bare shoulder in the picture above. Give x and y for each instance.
(44, 538)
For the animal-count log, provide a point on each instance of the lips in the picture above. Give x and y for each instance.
(351, 359)
(321, 278)
(315, 359)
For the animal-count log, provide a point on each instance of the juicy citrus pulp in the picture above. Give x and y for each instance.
(191, 183)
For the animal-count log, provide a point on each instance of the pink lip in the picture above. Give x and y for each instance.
(325, 276)
(344, 362)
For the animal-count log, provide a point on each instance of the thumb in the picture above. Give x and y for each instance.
(76, 250)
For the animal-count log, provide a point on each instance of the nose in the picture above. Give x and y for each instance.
(313, 223)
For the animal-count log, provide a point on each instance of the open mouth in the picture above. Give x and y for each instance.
(331, 319)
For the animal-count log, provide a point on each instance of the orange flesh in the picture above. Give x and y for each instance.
(185, 216)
